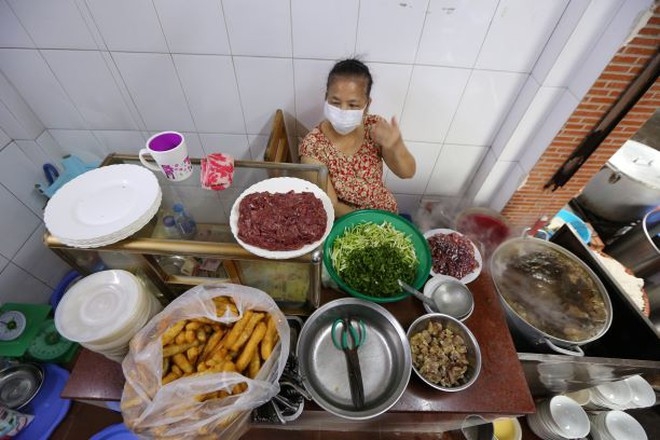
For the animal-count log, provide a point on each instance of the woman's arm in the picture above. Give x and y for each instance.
(340, 207)
(394, 150)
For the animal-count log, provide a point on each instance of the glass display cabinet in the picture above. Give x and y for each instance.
(175, 264)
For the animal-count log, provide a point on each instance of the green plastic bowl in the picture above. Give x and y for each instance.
(376, 216)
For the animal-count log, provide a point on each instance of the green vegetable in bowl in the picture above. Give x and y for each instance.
(370, 258)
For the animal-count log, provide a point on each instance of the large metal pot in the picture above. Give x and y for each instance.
(550, 295)
(637, 248)
(627, 187)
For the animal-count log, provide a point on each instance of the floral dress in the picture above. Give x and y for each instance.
(356, 178)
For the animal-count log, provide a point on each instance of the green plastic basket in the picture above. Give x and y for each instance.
(376, 216)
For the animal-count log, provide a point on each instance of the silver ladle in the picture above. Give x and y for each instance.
(450, 297)
(431, 302)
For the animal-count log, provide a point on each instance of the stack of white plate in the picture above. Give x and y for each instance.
(103, 206)
(559, 418)
(610, 395)
(103, 312)
(616, 425)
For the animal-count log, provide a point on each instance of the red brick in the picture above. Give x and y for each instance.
(644, 41)
(617, 76)
(635, 70)
(638, 50)
(589, 106)
(654, 20)
(627, 59)
(590, 122)
(617, 85)
(575, 126)
(586, 113)
(599, 91)
(617, 68)
(653, 31)
(603, 99)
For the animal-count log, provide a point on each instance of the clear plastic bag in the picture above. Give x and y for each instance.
(173, 411)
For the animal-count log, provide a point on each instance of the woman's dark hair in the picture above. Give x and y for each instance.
(350, 68)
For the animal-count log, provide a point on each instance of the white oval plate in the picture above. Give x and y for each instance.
(283, 185)
(477, 255)
(101, 203)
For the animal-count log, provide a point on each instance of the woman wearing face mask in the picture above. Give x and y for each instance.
(353, 144)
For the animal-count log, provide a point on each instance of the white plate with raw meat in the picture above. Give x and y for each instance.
(454, 255)
(281, 218)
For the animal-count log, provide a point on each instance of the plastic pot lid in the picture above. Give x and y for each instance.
(100, 306)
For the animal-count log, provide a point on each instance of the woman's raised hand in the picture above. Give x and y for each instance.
(386, 134)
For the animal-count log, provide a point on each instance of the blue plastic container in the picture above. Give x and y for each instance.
(47, 407)
(115, 432)
(577, 223)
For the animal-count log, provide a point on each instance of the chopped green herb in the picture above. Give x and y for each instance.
(370, 258)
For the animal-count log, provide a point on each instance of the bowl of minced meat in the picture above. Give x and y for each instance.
(445, 353)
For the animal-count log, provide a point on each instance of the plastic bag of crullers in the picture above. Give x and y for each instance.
(199, 367)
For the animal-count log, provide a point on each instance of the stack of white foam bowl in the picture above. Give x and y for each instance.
(559, 418)
(616, 425)
(103, 312)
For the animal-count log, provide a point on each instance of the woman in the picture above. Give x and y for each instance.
(353, 144)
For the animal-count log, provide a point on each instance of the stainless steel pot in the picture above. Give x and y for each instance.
(636, 249)
(627, 187)
(550, 295)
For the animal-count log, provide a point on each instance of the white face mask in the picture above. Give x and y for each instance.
(343, 121)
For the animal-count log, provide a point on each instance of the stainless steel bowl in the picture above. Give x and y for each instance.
(384, 357)
(19, 384)
(457, 327)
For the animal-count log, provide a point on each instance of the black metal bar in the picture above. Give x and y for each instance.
(610, 120)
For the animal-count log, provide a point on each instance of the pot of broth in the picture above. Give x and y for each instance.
(550, 295)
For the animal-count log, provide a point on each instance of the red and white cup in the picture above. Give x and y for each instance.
(169, 150)
(217, 171)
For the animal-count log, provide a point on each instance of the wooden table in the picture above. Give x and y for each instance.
(501, 388)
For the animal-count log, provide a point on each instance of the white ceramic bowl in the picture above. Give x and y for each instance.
(612, 395)
(616, 425)
(643, 394)
(569, 417)
(558, 418)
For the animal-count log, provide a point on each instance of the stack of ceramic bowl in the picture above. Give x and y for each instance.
(616, 425)
(610, 395)
(559, 418)
(643, 394)
(103, 312)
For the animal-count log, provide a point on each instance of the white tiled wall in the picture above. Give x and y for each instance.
(479, 86)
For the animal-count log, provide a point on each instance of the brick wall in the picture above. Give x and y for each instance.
(531, 201)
